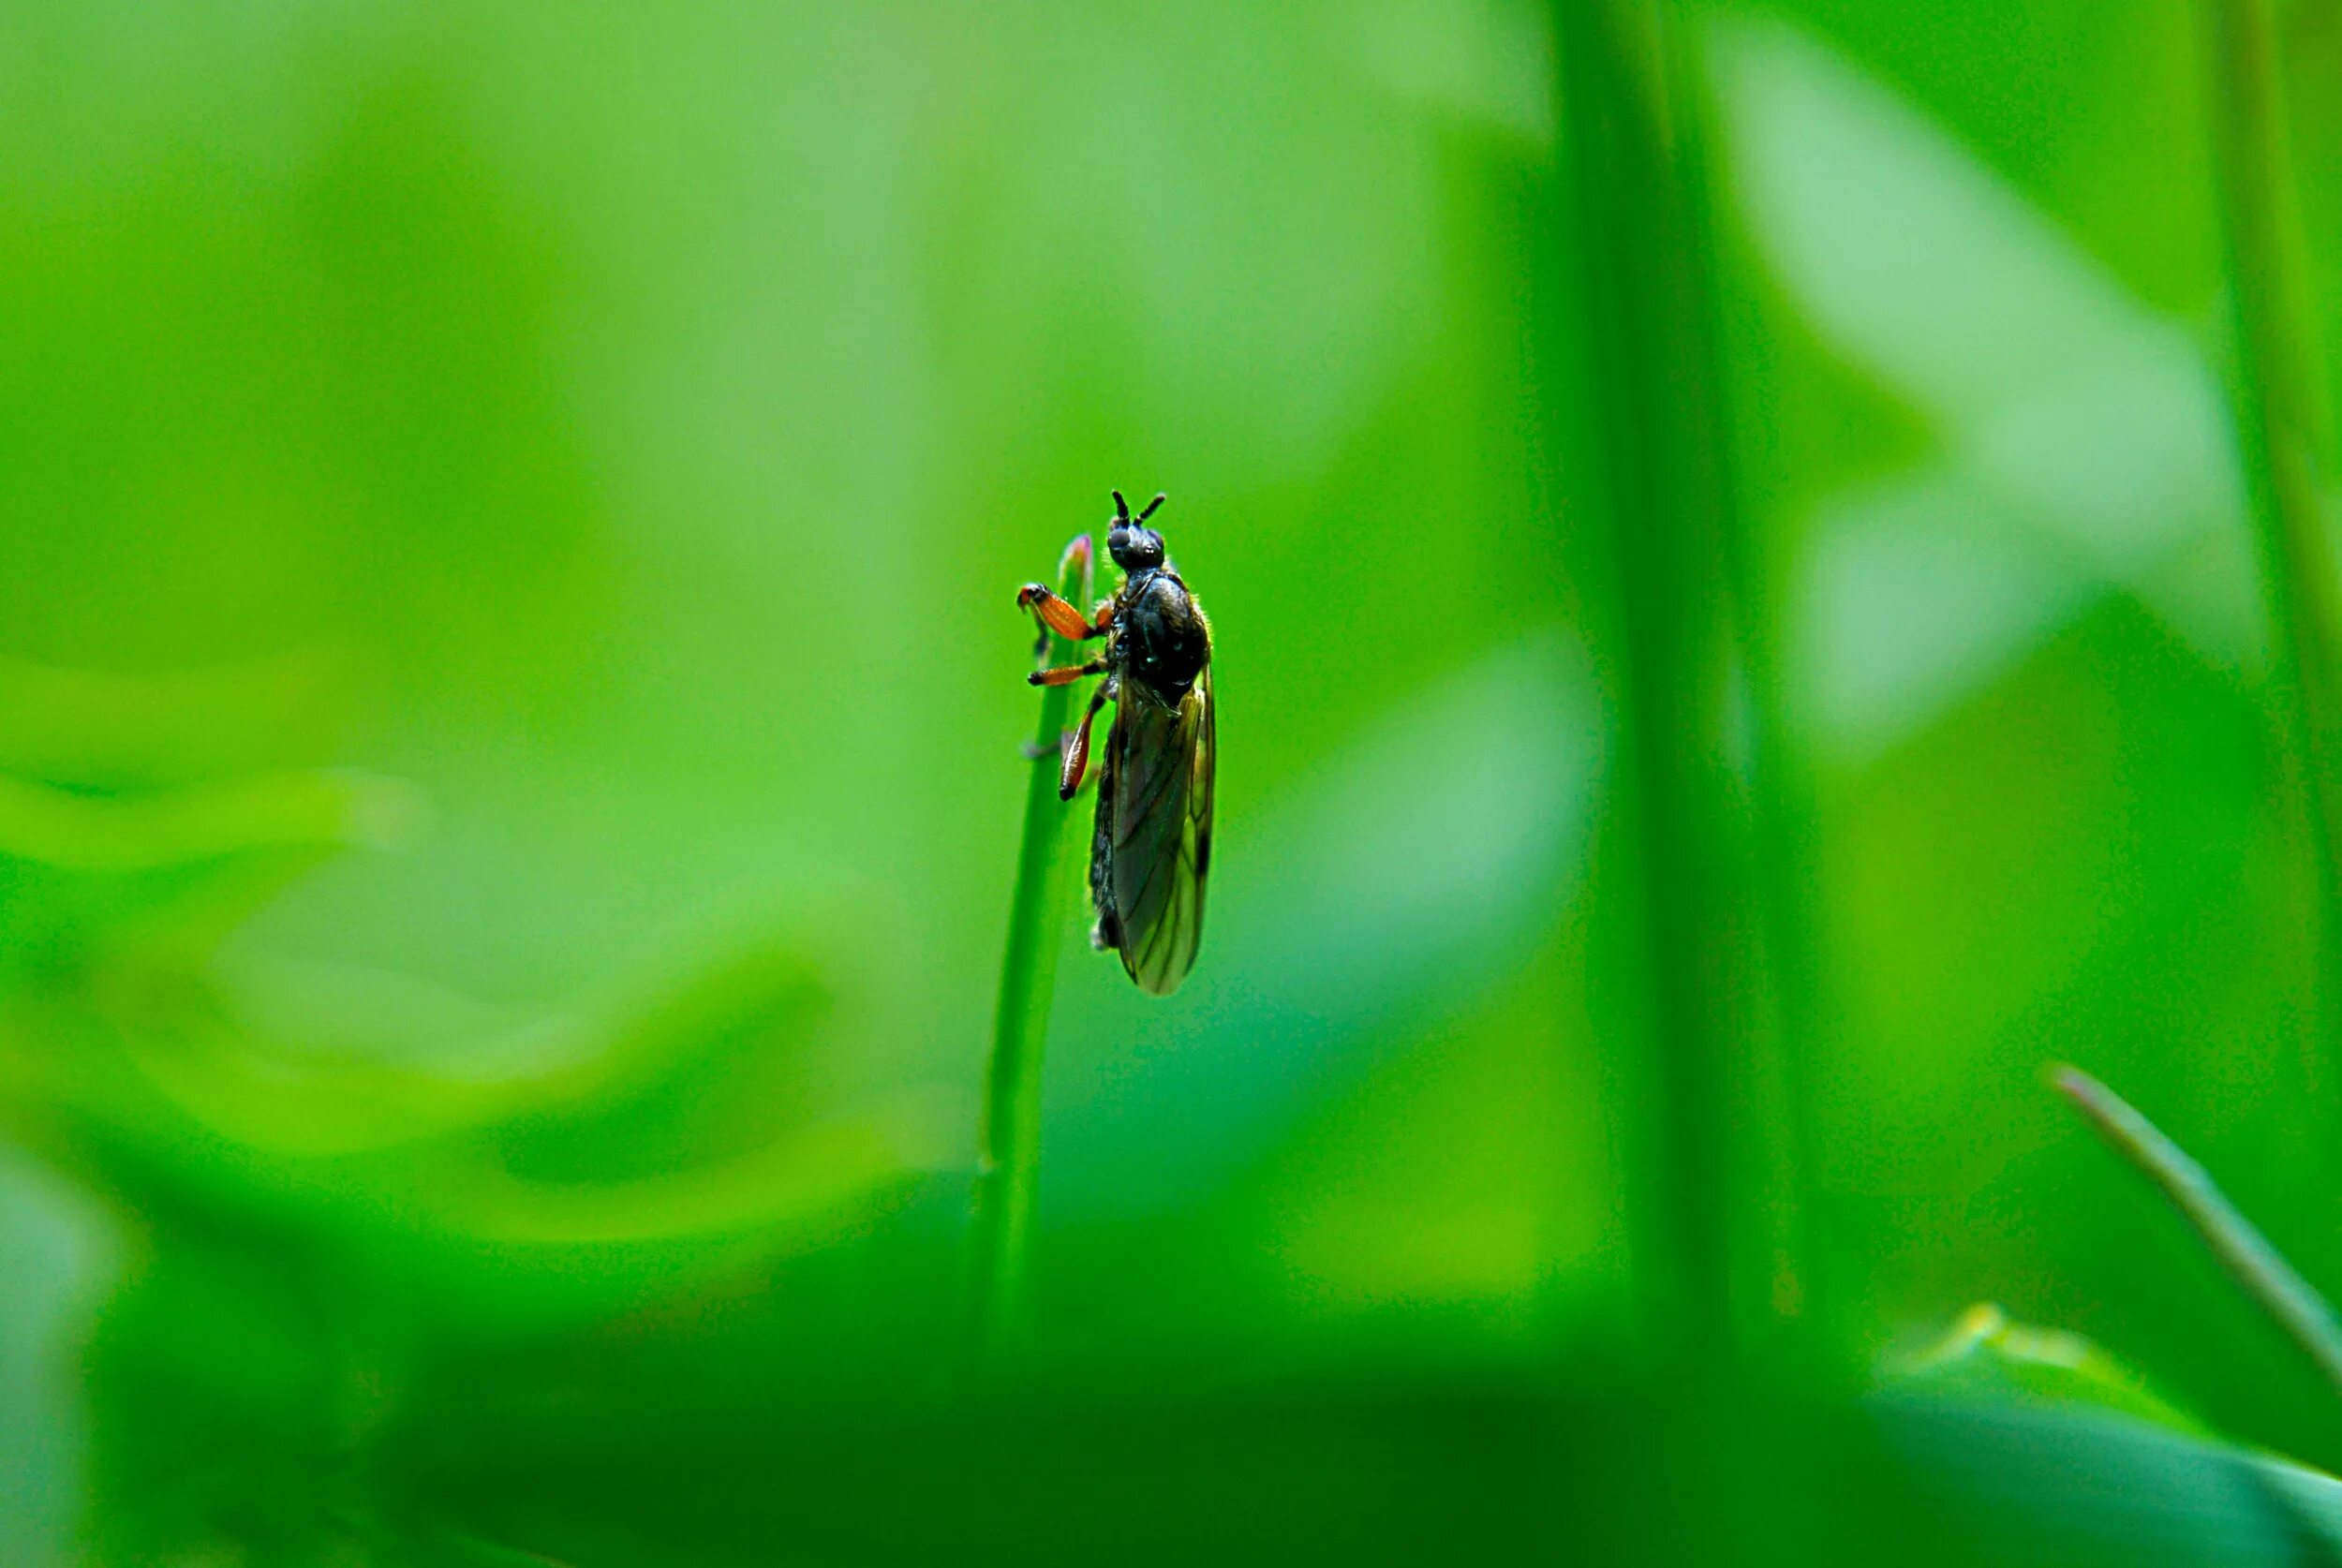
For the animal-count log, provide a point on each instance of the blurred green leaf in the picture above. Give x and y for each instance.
(2079, 443)
(81, 833)
(100, 730)
(2027, 1485)
(1986, 1356)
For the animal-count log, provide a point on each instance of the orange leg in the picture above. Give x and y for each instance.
(1069, 777)
(1066, 675)
(1060, 617)
(1056, 614)
(1033, 753)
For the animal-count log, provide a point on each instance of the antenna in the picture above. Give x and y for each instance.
(1122, 508)
(1159, 500)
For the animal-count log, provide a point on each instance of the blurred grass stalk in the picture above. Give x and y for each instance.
(2304, 1315)
(1008, 1159)
(2282, 434)
(1658, 453)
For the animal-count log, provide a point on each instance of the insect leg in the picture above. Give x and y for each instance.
(1098, 624)
(1069, 778)
(1066, 675)
(1079, 551)
(1033, 752)
(1058, 615)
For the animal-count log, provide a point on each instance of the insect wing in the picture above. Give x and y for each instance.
(1160, 795)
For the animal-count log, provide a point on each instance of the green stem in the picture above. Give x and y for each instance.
(1778, 828)
(2243, 1251)
(2281, 432)
(1008, 1162)
(1655, 457)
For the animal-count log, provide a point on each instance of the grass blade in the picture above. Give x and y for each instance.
(1008, 1160)
(2281, 434)
(1654, 455)
(2304, 1315)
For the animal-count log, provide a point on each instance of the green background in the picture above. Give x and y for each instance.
(510, 691)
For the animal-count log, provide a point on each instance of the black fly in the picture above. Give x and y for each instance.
(1152, 846)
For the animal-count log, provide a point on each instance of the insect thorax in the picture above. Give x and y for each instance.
(1162, 641)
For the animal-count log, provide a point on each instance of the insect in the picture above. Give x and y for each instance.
(1152, 847)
